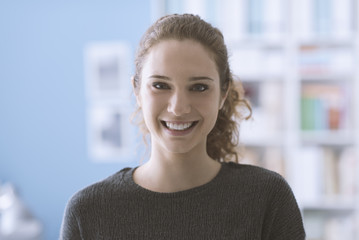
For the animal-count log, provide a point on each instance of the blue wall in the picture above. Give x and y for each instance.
(43, 147)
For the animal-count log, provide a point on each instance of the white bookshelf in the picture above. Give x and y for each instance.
(282, 50)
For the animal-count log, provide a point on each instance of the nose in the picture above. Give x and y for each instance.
(179, 103)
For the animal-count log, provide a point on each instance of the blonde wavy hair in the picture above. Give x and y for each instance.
(223, 140)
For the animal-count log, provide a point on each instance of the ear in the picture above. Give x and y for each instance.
(223, 99)
(136, 91)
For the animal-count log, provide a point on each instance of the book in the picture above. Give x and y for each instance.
(255, 17)
(306, 173)
(347, 165)
(273, 19)
(304, 18)
(197, 7)
(273, 160)
(231, 19)
(330, 172)
(322, 17)
(324, 107)
(343, 19)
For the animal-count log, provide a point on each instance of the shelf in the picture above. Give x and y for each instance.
(327, 137)
(328, 42)
(261, 78)
(257, 42)
(303, 85)
(331, 206)
(262, 141)
(326, 77)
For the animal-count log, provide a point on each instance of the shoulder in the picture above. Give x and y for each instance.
(256, 178)
(251, 172)
(269, 193)
(268, 186)
(96, 192)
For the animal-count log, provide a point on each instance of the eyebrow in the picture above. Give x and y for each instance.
(160, 77)
(191, 78)
(200, 78)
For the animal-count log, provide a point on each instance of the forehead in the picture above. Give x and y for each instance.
(180, 56)
(185, 46)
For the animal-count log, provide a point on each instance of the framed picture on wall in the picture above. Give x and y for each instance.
(107, 69)
(110, 134)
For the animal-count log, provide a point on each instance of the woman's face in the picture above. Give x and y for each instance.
(179, 95)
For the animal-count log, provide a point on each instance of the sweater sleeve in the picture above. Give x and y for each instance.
(284, 218)
(70, 228)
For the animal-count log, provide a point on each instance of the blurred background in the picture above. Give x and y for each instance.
(65, 101)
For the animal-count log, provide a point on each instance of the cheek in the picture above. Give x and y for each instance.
(151, 105)
(151, 100)
(208, 108)
(210, 102)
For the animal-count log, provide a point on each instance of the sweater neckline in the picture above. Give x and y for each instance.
(128, 177)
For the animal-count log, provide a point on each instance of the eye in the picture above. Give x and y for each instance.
(199, 87)
(160, 85)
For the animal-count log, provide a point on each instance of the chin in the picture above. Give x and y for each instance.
(179, 148)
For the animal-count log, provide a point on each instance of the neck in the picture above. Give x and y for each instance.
(176, 172)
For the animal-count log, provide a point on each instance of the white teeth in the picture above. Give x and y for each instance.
(178, 127)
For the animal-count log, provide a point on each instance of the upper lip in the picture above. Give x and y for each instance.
(178, 122)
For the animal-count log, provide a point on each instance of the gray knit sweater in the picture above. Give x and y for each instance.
(241, 202)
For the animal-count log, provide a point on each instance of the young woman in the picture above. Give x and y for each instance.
(189, 188)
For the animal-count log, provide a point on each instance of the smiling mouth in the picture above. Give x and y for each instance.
(179, 126)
